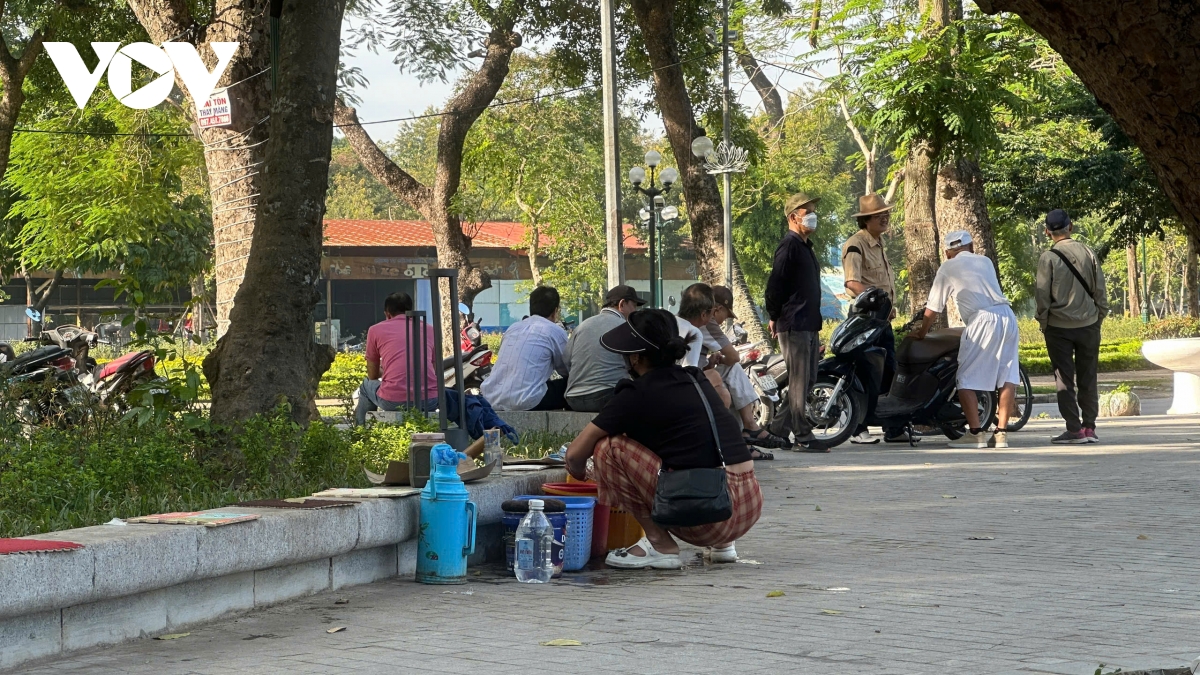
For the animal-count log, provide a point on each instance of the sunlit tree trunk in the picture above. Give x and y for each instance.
(1131, 272)
(962, 204)
(920, 221)
(1191, 279)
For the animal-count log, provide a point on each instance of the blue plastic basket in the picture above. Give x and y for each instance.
(580, 511)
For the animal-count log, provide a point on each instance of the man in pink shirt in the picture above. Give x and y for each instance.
(388, 385)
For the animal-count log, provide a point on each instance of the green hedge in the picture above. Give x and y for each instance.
(1114, 356)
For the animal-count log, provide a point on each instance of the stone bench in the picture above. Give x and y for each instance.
(136, 581)
(553, 421)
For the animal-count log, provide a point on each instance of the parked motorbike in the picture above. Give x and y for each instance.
(757, 364)
(923, 390)
(477, 356)
(109, 383)
(42, 382)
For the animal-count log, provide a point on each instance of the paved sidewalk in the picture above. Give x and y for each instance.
(1088, 555)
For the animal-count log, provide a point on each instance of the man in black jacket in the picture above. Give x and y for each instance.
(793, 303)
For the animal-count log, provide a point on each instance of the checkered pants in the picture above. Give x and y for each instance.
(627, 476)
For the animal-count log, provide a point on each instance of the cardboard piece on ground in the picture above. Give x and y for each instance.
(391, 492)
(296, 503)
(397, 473)
(541, 461)
(215, 519)
(8, 546)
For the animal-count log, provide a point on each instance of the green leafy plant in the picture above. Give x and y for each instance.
(1172, 328)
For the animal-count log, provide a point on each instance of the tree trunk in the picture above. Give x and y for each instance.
(1131, 272)
(1191, 280)
(535, 271)
(38, 298)
(233, 155)
(772, 101)
(1139, 59)
(962, 205)
(268, 355)
(921, 241)
(655, 20)
(436, 203)
(13, 70)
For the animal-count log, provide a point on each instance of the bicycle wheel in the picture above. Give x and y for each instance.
(1023, 404)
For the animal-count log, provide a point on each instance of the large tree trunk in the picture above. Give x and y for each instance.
(1140, 61)
(1191, 280)
(1131, 276)
(233, 155)
(268, 355)
(13, 70)
(656, 21)
(436, 203)
(962, 205)
(921, 241)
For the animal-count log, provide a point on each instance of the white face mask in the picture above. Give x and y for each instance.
(810, 221)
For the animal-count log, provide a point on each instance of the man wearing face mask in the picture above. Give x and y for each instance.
(793, 302)
(864, 265)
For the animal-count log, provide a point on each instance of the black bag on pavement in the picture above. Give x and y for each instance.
(692, 497)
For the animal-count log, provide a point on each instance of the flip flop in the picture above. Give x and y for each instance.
(770, 441)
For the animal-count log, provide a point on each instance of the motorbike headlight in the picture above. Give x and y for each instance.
(864, 338)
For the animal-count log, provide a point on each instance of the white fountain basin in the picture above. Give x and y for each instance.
(1181, 355)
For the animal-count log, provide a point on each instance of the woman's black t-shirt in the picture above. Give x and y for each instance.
(662, 411)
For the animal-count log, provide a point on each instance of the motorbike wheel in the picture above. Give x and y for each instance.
(1024, 404)
(844, 417)
(987, 411)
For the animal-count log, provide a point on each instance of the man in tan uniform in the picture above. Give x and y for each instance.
(864, 265)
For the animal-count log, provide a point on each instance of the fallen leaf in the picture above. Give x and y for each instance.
(1143, 537)
(817, 509)
(775, 594)
(830, 611)
(981, 538)
(341, 601)
(336, 630)
(928, 463)
(560, 642)
(949, 497)
(172, 636)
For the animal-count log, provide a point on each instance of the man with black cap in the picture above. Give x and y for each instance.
(1072, 302)
(793, 302)
(594, 371)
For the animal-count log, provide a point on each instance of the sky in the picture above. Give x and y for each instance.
(393, 94)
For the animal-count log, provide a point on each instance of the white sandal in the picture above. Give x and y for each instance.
(623, 559)
(727, 554)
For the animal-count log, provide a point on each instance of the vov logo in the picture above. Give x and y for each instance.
(167, 61)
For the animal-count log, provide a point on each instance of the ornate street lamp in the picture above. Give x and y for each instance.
(669, 176)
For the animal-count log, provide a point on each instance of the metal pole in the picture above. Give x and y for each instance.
(328, 311)
(658, 274)
(612, 161)
(1145, 295)
(725, 137)
(652, 253)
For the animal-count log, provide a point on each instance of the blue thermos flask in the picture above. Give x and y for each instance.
(446, 535)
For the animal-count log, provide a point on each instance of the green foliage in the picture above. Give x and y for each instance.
(1114, 357)
(348, 371)
(54, 479)
(355, 194)
(1173, 327)
(109, 203)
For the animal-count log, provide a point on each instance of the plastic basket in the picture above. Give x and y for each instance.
(612, 527)
(580, 511)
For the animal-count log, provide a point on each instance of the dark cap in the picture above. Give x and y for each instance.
(724, 297)
(618, 293)
(1057, 220)
(625, 339)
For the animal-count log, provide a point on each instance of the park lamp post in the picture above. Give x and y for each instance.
(637, 176)
(723, 160)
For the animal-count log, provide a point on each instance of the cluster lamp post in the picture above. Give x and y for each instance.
(657, 214)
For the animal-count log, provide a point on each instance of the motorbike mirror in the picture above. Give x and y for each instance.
(462, 308)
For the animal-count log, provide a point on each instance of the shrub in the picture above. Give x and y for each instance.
(1173, 327)
(348, 371)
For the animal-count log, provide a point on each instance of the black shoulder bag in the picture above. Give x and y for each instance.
(692, 497)
(1078, 276)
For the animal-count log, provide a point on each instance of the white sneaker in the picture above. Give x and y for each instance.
(970, 440)
(864, 438)
(722, 555)
(999, 439)
(623, 559)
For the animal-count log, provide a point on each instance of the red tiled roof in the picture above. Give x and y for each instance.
(339, 233)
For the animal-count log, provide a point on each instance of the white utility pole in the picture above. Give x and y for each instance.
(725, 37)
(612, 159)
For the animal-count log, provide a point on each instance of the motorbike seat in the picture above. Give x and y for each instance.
(126, 362)
(936, 344)
(33, 358)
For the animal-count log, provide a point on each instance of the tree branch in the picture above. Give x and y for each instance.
(772, 102)
(897, 178)
(395, 179)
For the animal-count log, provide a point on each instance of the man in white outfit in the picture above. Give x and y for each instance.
(987, 357)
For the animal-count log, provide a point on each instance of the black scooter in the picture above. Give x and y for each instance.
(923, 390)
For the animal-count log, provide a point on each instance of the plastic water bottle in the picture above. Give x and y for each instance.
(535, 538)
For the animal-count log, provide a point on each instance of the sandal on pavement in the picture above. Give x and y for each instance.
(623, 559)
(760, 454)
(763, 438)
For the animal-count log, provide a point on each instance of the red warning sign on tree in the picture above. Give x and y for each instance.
(216, 111)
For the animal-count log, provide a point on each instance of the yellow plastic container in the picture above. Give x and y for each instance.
(623, 529)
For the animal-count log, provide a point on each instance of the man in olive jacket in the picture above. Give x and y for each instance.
(1072, 301)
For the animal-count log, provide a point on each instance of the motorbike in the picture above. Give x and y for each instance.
(43, 382)
(923, 390)
(757, 365)
(109, 383)
(477, 357)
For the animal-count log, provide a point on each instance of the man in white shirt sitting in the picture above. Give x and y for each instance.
(531, 351)
(987, 356)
